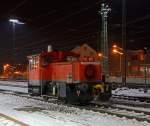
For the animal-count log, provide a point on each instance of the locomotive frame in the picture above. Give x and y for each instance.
(63, 75)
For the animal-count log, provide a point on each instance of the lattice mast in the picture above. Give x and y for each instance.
(104, 38)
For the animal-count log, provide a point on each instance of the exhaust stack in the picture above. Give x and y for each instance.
(49, 48)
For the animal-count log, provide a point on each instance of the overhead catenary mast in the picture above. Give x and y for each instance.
(104, 38)
(124, 42)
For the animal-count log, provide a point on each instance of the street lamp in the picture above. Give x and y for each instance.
(102, 56)
(116, 51)
(120, 51)
(119, 48)
(14, 22)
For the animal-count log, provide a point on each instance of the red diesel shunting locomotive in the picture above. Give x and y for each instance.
(63, 75)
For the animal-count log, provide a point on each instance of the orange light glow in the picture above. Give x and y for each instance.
(116, 51)
(17, 72)
(100, 54)
(6, 65)
(114, 46)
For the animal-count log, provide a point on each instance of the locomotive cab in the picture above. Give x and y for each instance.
(34, 75)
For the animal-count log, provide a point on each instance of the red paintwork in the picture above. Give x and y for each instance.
(59, 69)
(34, 74)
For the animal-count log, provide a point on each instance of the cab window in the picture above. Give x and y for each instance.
(45, 60)
(33, 63)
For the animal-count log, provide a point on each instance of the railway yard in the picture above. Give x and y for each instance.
(18, 108)
(75, 63)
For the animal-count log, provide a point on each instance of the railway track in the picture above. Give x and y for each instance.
(23, 87)
(116, 99)
(130, 101)
(123, 112)
(9, 121)
(133, 98)
(111, 107)
(107, 108)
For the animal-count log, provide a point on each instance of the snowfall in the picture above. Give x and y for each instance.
(39, 113)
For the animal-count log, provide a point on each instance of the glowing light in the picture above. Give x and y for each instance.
(16, 21)
(116, 51)
(114, 46)
(6, 65)
(100, 54)
(31, 60)
(17, 72)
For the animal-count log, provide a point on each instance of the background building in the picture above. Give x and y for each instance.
(137, 64)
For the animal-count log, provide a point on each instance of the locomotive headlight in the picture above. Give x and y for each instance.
(31, 60)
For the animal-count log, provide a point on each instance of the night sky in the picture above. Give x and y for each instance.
(68, 23)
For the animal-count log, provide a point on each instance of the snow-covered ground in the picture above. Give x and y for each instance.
(131, 92)
(15, 89)
(25, 83)
(14, 86)
(38, 113)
